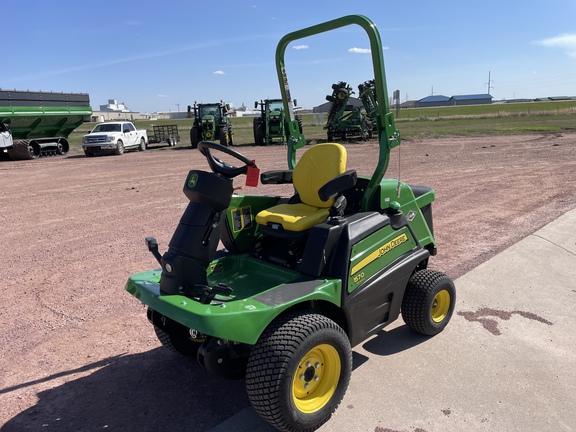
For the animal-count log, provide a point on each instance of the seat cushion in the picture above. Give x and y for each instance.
(318, 165)
(293, 217)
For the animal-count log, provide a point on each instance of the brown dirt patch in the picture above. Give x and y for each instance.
(77, 352)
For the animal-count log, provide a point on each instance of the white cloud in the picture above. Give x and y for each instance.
(299, 47)
(219, 72)
(566, 41)
(362, 50)
(161, 96)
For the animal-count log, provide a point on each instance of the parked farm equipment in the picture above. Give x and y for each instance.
(164, 134)
(345, 120)
(367, 94)
(38, 123)
(211, 123)
(269, 126)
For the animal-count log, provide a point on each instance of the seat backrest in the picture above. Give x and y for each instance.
(318, 165)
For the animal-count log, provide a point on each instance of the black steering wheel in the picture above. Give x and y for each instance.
(220, 167)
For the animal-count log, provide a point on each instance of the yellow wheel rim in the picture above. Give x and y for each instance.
(440, 306)
(316, 378)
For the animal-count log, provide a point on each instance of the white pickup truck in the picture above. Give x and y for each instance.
(114, 137)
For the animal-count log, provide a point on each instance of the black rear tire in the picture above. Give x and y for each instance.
(223, 132)
(195, 136)
(428, 302)
(298, 371)
(258, 132)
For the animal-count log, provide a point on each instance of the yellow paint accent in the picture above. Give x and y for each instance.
(382, 250)
(440, 306)
(316, 378)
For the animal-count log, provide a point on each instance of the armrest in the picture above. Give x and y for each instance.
(276, 177)
(337, 185)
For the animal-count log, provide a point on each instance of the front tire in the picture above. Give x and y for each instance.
(428, 302)
(299, 371)
(178, 341)
(119, 148)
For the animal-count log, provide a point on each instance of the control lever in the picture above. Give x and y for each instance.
(153, 247)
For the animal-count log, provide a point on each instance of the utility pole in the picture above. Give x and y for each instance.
(489, 83)
(178, 106)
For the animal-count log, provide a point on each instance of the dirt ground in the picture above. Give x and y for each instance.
(76, 350)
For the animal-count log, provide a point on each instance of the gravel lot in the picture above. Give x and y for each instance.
(76, 350)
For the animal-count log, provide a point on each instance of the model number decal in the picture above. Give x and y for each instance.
(359, 277)
(382, 250)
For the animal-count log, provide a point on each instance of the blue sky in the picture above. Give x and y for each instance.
(163, 55)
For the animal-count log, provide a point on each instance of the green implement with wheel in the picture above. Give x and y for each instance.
(36, 124)
(346, 120)
(211, 123)
(304, 278)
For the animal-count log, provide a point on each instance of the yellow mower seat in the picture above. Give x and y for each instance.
(317, 166)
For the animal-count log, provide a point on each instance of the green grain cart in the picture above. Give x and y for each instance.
(35, 124)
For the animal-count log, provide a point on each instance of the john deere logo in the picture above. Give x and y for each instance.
(192, 180)
(382, 250)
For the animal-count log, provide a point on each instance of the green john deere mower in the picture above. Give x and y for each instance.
(302, 278)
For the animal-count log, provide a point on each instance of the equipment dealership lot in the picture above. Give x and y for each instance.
(77, 353)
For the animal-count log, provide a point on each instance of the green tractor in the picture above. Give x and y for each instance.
(270, 124)
(304, 278)
(211, 123)
(346, 120)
